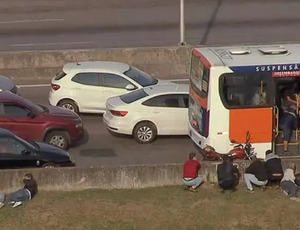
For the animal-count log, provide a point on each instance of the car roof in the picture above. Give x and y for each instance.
(108, 66)
(167, 88)
(5, 132)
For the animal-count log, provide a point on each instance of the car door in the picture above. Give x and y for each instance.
(15, 154)
(87, 91)
(20, 122)
(166, 113)
(114, 85)
(4, 120)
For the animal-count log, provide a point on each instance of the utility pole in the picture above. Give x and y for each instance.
(182, 25)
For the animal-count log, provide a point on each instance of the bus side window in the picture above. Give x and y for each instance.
(243, 90)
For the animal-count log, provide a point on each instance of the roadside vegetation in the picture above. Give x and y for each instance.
(154, 208)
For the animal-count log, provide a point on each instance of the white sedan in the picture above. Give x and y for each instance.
(84, 87)
(148, 112)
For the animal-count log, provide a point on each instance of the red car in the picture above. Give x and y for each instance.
(51, 124)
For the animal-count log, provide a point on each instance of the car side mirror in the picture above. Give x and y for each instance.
(31, 115)
(25, 152)
(130, 87)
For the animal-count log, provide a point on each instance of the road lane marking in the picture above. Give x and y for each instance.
(31, 86)
(52, 43)
(179, 80)
(32, 20)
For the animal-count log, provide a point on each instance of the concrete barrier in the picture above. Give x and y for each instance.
(160, 62)
(138, 176)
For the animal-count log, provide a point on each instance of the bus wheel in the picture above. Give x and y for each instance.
(144, 132)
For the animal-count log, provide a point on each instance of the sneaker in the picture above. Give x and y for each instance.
(285, 193)
(250, 190)
(295, 199)
(18, 203)
(1, 205)
(192, 189)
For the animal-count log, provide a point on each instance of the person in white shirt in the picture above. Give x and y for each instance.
(288, 184)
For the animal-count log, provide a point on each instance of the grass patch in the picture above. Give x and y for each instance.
(154, 208)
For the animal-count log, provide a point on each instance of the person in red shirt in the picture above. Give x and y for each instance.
(190, 178)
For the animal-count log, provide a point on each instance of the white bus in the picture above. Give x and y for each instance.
(239, 89)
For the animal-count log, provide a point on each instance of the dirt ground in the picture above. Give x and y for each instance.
(155, 208)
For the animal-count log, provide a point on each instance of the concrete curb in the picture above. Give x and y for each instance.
(160, 62)
(122, 177)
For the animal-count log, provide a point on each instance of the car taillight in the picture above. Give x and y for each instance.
(118, 113)
(55, 86)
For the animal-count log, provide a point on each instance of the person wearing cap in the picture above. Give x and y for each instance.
(228, 175)
(274, 168)
(27, 193)
(191, 168)
(256, 174)
(288, 184)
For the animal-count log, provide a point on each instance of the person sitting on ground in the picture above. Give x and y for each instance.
(256, 174)
(288, 184)
(191, 167)
(27, 193)
(228, 175)
(274, 168)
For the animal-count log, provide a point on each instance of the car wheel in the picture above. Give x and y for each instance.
(58, 138)
(144, 132)
(69, 104)
(50, 165)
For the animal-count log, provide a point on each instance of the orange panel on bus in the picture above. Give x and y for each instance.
(258, 121)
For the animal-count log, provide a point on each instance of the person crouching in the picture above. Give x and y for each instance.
(191, 168)
(228, 175)
(256, 174)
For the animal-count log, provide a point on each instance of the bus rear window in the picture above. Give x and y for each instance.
(199, 77)
(133, 96)
(60, 75)
(244, 90)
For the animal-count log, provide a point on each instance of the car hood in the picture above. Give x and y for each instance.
(51, 149)
(6, 83)
(55, 110)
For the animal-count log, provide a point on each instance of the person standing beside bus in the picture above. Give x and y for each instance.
(288, 121)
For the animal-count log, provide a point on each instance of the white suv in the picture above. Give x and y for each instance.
(84, 87)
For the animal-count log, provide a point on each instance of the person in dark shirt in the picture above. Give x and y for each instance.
(228, 175)
(288, 120)
(274, 168)
(28, 192)
(256, 174)
(190, 177)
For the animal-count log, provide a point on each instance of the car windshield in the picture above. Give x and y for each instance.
(140, 77)
(133, 96)
(34, 106)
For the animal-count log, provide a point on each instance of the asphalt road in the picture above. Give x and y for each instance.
(102, 149)
(70, 24)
